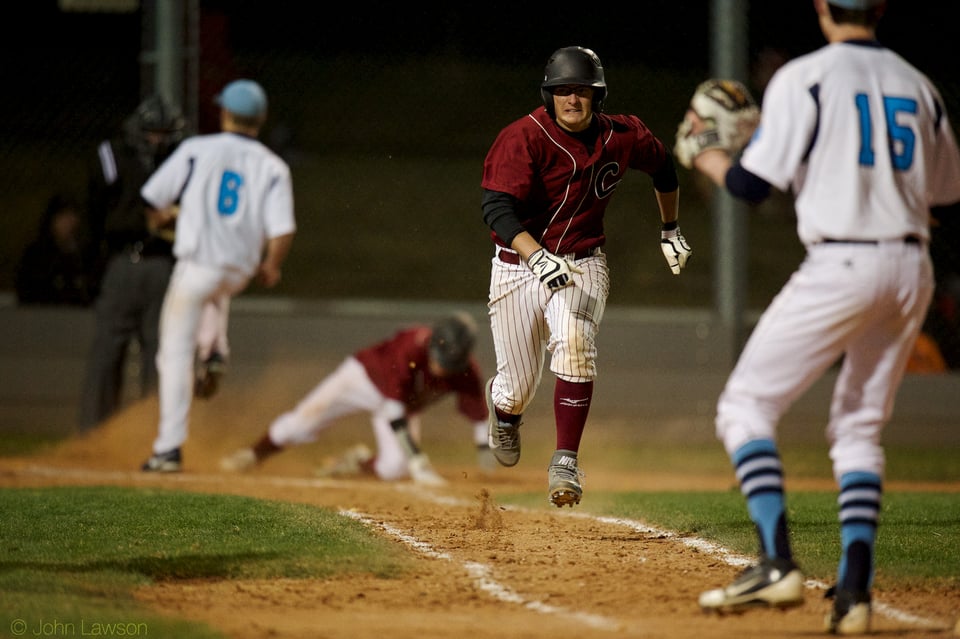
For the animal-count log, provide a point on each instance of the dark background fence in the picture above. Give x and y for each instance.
(385, 113)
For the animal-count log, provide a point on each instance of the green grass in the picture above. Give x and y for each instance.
(801, 461)
(910, 464)
(75, 554)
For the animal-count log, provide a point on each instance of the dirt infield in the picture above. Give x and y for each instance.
(486, 571)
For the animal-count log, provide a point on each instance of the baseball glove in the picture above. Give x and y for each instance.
(722, 115)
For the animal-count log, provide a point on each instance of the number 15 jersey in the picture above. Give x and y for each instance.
(862, 139)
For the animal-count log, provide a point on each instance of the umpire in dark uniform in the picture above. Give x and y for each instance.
(137, 262)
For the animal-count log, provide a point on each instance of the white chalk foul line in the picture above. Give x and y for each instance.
(481, 575)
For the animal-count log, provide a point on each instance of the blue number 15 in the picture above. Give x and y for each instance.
(901, 138)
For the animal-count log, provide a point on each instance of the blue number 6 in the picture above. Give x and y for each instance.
(901, 138)
(229, 199)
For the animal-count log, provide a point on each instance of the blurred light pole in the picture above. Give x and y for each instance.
(729, 50)
(170, 53)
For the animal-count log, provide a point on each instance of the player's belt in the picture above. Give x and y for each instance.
(512, 257)
(910, 239)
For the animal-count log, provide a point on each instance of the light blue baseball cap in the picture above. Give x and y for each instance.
(245, 98)
(858, 5)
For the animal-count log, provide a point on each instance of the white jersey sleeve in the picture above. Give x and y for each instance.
(862, 140)
(234, 195)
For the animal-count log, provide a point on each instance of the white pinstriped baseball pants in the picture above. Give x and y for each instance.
(527, 320)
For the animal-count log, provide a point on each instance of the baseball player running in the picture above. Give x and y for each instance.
(393, 381)
(862, 139)
(547, 180)
(235, 222)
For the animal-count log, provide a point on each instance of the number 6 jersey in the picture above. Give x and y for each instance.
(234, 195)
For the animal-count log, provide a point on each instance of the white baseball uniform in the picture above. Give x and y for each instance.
(862, 140)
(234, 194)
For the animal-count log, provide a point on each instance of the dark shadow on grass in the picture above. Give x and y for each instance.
(160, 568)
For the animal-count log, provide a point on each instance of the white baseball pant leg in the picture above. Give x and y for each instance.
(876, 359)
(347, 390)
(212, 332)
(865, 303)
(192, 286)
(527, 320)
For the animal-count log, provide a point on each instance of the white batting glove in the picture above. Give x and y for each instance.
(675, 249)
(423, 473)
(552, 270)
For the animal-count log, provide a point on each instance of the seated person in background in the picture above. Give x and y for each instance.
(58, 266)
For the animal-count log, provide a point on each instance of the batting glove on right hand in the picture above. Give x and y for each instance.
(552, 270)
(675, 249)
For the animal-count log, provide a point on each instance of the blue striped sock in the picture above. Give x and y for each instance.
(760, 473)
(859, 503)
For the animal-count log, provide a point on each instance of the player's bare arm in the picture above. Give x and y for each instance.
(525, 245)
(669, 204)
(714, 163)
(163, 222)
(276, 253)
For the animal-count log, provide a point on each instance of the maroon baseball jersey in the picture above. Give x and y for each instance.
(399, 367)
(564, 187)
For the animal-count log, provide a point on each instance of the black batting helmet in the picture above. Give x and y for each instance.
(574, 65)
(452, 342)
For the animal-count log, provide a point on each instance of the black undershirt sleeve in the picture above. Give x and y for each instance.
(744, 184)
(500, 214)
(665, 180)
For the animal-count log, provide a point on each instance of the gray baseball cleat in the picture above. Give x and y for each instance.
(564, 478)
(502, 437)
(850, 614)
(772, 583)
